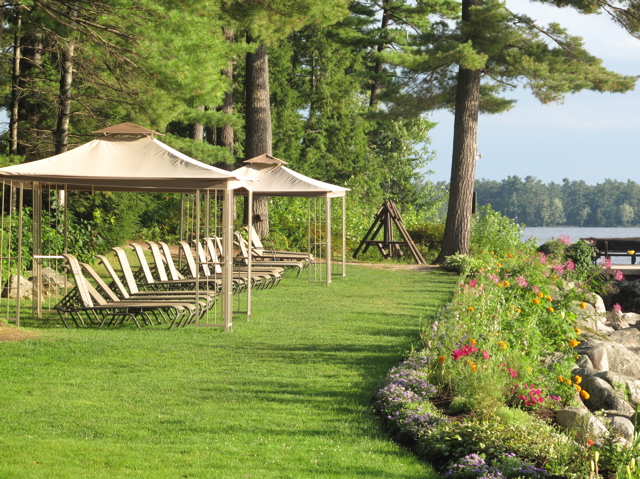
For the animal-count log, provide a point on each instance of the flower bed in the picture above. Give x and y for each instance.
(504, 350)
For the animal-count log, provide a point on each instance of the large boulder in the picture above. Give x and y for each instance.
(604, 397)
(11, 289)
(610, 356)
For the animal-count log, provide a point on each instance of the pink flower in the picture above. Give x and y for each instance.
(558, 269)
(535, 289)
(543, 258)
(618, 275)
(513, 372)
(522, 281)
(570, 265)
(473, 283)
(617, 308)
(564, 239)
(485, 354)
(494, 278)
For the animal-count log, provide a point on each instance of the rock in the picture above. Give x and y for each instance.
(625, 387)
(596, 302)
(632, 319)
(589, 318)
(629, 338)
(616, 321)
(11, 290)
(580, 419)
(621, 426)
(610, 356)
(604, 397)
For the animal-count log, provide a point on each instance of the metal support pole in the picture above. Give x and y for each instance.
(327, 218)
(227, 266)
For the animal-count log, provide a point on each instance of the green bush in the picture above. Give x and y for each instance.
(491, 231)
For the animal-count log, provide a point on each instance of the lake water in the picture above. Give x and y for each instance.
(574, 233)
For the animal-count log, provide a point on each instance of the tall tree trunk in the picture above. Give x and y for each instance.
(197, 129)
(64, 98)
(15, 85)
(258, 124)
(225, 134)
(378, 68)
(457, 232)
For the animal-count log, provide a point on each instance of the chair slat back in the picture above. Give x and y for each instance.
(158, 260)
(175, 274)
(144, 265)
(213, 254)
(203, 260)
(100, 282)
(114, 276)
(188, 256)
(79, 279)
(127, 272)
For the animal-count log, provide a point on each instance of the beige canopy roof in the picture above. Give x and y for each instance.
(124, 164)
(278, 180)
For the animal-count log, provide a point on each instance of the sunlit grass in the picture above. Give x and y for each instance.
(286, 394)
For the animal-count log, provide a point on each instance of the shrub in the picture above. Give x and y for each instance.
(491, 231)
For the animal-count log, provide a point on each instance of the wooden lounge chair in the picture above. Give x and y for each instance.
(262, 277)
(203, 301)
(260, 252)
(244, 250)
(84, 298)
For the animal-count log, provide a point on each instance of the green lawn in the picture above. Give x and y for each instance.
(285, 395)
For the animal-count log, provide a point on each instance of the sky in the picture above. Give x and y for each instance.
(591, 136)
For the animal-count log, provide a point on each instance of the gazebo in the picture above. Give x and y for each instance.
(275, 179)
(127, 158)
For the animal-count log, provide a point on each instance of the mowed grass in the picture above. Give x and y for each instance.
(287, 394)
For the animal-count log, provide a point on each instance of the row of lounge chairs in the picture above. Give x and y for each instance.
(162, 292)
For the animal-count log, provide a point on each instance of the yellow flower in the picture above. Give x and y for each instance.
(550, 309)
(573, 343)
(473, 366)
(471, 308)
(632, 252)
(472, 341)
(584, 394)
(549, 298)
(561, 379)
(536, 301)
(500, 284)
(578, 388)
(577, 379)
(583, 305)
(518, 310)
(442, 359)
(503, 345)
(540, 294)
(506, 283)
(577, 330)
(568, 381)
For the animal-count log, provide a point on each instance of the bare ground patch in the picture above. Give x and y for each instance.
(11, 333)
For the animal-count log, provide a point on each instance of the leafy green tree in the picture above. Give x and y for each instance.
(468, 66)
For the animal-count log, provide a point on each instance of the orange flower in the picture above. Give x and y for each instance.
(584, 394)
(549, 298)
(540, 294)
(577, 379)
(573, 343)
(500, 284)
(561, 379)
(551, 310)
(518, 310)
(503, 345)
(442, 359)
(499, 265)
(472, 341)
(471, 308)
(578, 388)
(536, 301)
(506, 283)
(583, 305)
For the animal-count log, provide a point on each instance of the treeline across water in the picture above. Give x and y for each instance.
(573, 203)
